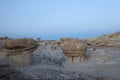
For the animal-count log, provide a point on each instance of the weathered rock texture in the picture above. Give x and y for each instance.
(18, 45)
(4, 59)
(20, 51)
(75, 50)
(3, 54)
(48, 54)
(110, 40)
(62, 40)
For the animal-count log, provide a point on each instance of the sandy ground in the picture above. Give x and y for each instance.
(108, 71)
(8, 73)
(47, 65)
(108, 68)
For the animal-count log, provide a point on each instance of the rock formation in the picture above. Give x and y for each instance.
(110, 40)
(48, 54)
(19, 45)
(62, 40)
(20, 51)
(75, 49)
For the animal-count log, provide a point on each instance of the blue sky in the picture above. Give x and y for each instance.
(53, 19)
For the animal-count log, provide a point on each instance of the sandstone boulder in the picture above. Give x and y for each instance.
(19, 45)
(20, 51)
(75, 48)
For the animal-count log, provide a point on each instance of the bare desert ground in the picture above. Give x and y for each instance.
(102, 62)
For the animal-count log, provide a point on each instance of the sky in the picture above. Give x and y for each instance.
(54, 19)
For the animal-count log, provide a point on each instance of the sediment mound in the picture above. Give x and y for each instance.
(48, 54)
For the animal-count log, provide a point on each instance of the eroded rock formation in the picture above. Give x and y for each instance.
(19, 45)
(110, 40)
(20, 51)
(75, 50)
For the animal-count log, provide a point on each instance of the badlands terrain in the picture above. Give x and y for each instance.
(64, 59)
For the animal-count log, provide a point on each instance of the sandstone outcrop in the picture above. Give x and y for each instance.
(20, 51)
(19, 45)
(75, 50)
(110, 40)
(62, 40)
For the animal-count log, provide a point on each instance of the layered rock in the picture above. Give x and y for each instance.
(19, 45)
(110, 40)
(75, 50)
(62, 40)
(20, 51)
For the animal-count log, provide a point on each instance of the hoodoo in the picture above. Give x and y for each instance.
(20, 51)
(75, 50)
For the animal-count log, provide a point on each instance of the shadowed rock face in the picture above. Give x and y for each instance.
(20, 45)
(3, 54)
(2, 39)
(1, 44)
